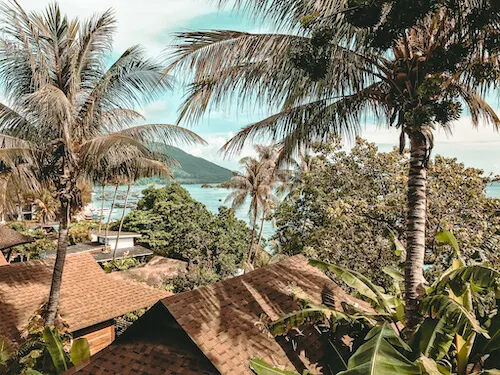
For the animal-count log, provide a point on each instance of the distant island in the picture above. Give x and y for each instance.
(192, 170)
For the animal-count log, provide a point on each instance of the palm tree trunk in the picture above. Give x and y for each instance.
(109, 216)
(121, 221)
(62, 246)
(4, 180)
(252, 240)
(415, 229)
(102, 207)
(262, 221)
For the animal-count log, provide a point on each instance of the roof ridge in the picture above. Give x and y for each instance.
(243, 277)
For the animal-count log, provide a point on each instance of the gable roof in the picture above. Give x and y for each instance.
(10, 238)
(220, 319)
(88, 295)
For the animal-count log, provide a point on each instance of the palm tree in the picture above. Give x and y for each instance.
(332, 64)
(140, 168)
(257, 183)
(73, 109)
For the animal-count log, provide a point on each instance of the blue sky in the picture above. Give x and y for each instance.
(152, 23)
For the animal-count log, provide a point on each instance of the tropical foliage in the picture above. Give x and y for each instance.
(44, 350)
(173, 224)
(331, 64)
(71, 112)
(458, 333)
(257, 184)
(347, 207)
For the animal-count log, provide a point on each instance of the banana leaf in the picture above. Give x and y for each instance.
(434, 338)
(478, 275)
(378, 357)
(56, 350)
(80, 351)
(260, 367)
(448, 238)
(359, 282)
(431, 367)
(445, 307)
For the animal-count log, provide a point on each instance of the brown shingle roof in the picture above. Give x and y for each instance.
(10, 238)
(88, 295)
(221, 319)
(156, 348)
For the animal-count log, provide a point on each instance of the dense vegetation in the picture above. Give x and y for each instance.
(412, 65)
(348, 205)
(173, 224)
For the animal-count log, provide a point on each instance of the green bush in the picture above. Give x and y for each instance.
(80, 232)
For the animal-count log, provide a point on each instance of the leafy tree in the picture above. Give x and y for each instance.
(73, 109)
(412, 65)
(348, 201)
(173, 224)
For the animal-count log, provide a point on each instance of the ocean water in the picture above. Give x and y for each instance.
(211, 198)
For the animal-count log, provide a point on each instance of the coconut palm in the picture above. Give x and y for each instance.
(333, 63)
(73, 109)
(140, 168)
(257, 181)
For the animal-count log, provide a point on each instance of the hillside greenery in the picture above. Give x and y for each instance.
(190, 169)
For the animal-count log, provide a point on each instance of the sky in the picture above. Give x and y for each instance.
(152, 24)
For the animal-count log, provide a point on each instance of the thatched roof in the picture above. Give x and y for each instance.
(10, 238)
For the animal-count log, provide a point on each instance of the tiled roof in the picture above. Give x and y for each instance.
(88, 295)
(150, 352)
(223, 319)
(10, 237)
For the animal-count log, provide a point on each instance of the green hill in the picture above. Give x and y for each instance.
(192, 170)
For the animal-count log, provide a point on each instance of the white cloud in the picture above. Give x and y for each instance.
(146, 22)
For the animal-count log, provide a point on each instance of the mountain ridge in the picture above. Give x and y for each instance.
(192, 170)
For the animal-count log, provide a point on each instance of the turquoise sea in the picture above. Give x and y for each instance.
(211, 198)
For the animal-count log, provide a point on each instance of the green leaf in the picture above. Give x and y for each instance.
(479, 275)
(442, 306)
(80, 351)
(357, 281)
(262, 368)
(434, 338)
(378, 357)
(448, 238)
(56, 350)
(6, 350)
(431, 367)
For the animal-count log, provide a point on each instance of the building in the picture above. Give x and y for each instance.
(90, 298)
(102, 247)
(216, 330)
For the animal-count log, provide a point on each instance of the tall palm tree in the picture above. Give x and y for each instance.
(140, 168)
(333, 63)
(255, 182)
(73, 108)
